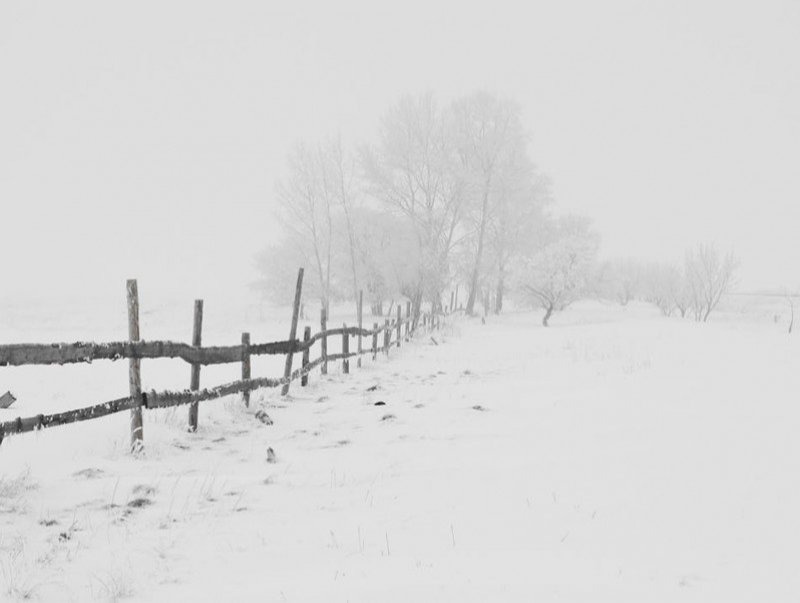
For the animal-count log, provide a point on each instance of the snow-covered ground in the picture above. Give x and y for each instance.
(616, 456)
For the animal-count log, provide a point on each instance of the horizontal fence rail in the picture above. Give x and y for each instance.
(165, 399)
(24, 354)
(83, 352)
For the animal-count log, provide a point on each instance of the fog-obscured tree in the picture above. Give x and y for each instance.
(517, 220)
(306, 204)
(559, 271)
(790, 299)
(664, 286)
(339, 170)
(491, 144)
(386, 256)
(708, 277)
(413, 169)
(625, 279)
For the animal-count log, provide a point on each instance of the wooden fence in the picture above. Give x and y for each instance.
(197, 356)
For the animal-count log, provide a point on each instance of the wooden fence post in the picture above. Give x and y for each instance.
(306, 355)
(287, 372)
(323, 324)
(194, 384)
(408, 320)
(360, 324)
(387, 336)
(134, 368)
(399, 324)
(345, 350)
(246, 365)
(374, 340)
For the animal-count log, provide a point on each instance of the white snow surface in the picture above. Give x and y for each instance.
(615, 456)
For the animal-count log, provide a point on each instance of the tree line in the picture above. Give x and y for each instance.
(444, 195)
(692, 289)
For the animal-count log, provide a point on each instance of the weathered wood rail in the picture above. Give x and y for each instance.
(196, 355)
(23, 354)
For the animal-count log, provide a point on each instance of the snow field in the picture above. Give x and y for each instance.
(616, 456)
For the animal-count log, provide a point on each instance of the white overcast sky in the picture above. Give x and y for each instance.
(144, 138)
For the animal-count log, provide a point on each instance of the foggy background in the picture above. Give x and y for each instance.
(145, 139)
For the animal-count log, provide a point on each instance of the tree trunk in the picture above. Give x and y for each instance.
(416, 306)
(473, 285)
(547, 315)
(498, 298)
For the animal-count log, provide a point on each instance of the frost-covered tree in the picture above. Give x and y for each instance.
(414, 171)
(664, 286)
(708, 278)
(624, 280)
(559, 271)
(306, 200)
(491, 144)
(518, 219)
(386, 256)
(340, 169)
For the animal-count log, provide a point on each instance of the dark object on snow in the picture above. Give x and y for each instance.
(380, 403)
(434, 341)
(483, 320)
(389, 417)
(271, 456)
(372, 389)
(263, 417)
(138, 503)
(7, 399)
(479, 408)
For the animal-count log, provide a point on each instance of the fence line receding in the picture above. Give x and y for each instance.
(135, 350)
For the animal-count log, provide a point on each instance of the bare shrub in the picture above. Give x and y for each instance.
(709, 277)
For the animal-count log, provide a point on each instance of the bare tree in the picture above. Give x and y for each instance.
(306, 205)
(626, 280)
(517, 219)
(413, 169)
(339, 167)
(665, 286)
(386, 256)
(709, 277)
(489, 138)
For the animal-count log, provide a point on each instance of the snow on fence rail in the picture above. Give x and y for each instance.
(196, 355)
